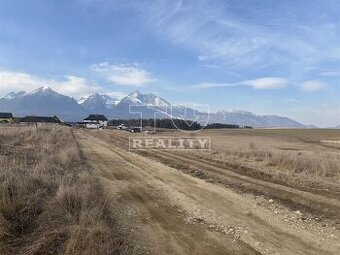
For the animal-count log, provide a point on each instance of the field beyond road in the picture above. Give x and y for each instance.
(179, 202)
(81, 191)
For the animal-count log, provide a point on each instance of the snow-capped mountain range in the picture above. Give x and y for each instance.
(45, 101)
(42, 101)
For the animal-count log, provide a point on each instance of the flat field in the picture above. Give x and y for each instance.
(261, 191)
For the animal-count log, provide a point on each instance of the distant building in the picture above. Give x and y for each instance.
(122, 127)
(40, 119)
(95, 121)
(133, 129)
(6, 117)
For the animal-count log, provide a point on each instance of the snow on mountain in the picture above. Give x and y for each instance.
(98, 103)
(43, 89)
(81, 100)
(45, 101)
(147, 104)
(110, 102)
(132, 98)
(148, 99)
(13, 95)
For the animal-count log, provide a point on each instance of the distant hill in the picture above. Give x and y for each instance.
(98, 103)
(45, 101)
(244, 118)
(42, 101)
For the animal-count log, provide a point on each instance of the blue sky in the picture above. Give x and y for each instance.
(267, 57)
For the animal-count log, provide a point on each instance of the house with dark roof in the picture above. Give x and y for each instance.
(6, 117)
(95, 121)
(40, 119)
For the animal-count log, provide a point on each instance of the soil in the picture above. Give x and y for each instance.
(173, 203)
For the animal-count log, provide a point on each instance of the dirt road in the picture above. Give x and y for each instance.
(165, 211)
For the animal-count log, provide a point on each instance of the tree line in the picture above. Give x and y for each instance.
(220, 125)
(171, 124)
(158, 123)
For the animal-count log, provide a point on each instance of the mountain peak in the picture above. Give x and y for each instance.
(43, 89)
(149, 99)
(95, 95)
(81, 100)
(13, 95)
(45, 101)
(135, 94)
(98, 102)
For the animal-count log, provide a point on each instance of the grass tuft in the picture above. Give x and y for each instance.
(50, 201)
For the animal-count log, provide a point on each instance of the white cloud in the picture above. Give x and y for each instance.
(11, 81)
(124, 74)
(281, 36)
(313, 86)
(260, 83)
(70, 85)
(269, 35)
(208, 85)
(76, 86)
(266, 83)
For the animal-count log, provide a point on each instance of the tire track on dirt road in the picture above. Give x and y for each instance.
(165, 198)
(296, 199)
(290, 197)
(156, 223)
(245, 171)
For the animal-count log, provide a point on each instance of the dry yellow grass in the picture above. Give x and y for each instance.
(296, 157)
(290, 156)
(291, 160)
(50, 201)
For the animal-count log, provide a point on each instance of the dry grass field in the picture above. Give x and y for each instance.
(270, 191)
(300, 157)
(291, 156)
(67, 191)
(50, 201)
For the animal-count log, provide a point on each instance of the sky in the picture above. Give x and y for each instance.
(263, 56)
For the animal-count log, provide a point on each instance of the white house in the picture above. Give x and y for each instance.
(122, 127)
(95, 121)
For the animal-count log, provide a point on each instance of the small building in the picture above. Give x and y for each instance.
(121, 127)
(133, 129)
(95, 121)
(40, 119)
(6, 117)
